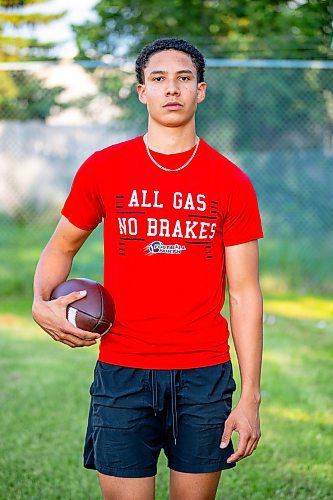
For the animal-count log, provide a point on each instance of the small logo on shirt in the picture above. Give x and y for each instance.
(159, 247)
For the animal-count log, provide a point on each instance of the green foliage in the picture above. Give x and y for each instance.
(232, 28)
(18, 48)
(23, 98)
(19, 3)
(18, 20)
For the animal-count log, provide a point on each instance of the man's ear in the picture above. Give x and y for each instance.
(141, 93)
(201, 91)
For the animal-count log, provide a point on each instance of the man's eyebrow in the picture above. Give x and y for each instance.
(160, 71)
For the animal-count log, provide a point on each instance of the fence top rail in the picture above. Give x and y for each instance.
(129, 64)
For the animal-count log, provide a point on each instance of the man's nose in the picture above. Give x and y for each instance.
(172, 88)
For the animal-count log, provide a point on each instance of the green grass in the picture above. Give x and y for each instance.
(20, 248)
(302, 265)
(44, 402)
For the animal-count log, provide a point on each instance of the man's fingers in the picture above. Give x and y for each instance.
(71, 297)
(77, 332)
(250, 445)
(73, 341)
(254, 444)
(228, 428)
(80, 343)
(58, 338)
(53, 321)
(67, 342)
(242, 444)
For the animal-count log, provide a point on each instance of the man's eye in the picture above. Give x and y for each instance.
(159, 78)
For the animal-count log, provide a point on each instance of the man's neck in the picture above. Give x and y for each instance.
(171, 140)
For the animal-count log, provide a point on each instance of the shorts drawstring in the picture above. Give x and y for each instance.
(173, 400)
(174, 405)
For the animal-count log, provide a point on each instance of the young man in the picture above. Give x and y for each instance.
(178, 219)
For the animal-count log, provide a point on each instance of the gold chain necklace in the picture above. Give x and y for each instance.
(145, 140)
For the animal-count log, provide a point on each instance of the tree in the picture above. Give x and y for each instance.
(22, 96)
(19, 48)
(232, 28)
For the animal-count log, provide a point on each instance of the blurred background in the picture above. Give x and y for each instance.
(67, 89)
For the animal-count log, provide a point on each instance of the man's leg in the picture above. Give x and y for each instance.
(204, 401)
(127, 488)
(186, 486)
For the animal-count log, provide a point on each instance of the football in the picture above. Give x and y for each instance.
(95, 312)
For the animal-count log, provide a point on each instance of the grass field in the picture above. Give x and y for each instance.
(44, 394)
(44, 401)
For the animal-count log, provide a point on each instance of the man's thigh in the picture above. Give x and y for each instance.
(127, 488)
(186, 486)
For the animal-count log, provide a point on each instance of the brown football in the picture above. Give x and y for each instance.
(95, 312)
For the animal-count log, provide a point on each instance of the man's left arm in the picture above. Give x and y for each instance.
(246, 319)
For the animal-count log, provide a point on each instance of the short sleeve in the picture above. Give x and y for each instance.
(242, 222)
(83, 206)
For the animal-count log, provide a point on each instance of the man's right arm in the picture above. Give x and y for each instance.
(52, 269)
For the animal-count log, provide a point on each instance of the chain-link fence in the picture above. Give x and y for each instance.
(272, 118)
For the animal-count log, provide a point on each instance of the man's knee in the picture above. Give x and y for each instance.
(127, 488)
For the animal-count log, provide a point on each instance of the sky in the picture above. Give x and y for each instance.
(59, 31)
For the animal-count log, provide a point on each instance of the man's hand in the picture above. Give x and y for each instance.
(51, 317)
(244, 419)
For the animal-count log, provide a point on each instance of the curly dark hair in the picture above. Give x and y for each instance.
(169, 44)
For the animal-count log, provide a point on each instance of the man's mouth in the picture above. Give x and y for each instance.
(173, 105)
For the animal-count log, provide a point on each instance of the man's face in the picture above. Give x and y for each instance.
(171, 77)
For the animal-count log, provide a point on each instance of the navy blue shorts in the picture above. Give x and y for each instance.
(135, 412)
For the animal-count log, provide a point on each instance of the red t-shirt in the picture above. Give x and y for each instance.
(164, 239)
